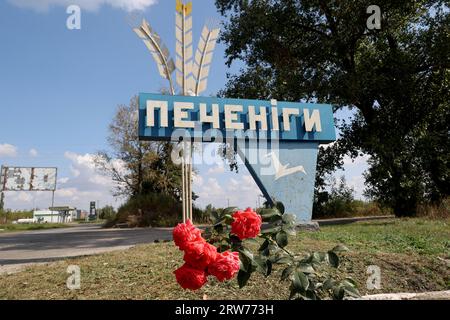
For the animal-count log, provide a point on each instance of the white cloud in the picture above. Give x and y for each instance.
(358, 160)
(240, 191)
(63, 180)
(89, 5)
(326, 146)
(217, 170)
(74, 171)
(358, 184)
(33, 153)
(86, 161)
(24, 197)
(7, 150)
(197, 180)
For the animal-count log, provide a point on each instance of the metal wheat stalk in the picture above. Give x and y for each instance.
(191, 75)
(158, 50)
(203, 57)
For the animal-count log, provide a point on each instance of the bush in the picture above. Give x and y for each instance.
(340, 203)
(155, 210)
(435, 211)
(201, 216)
(107, 213)
(7, 216)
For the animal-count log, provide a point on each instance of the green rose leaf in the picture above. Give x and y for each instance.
(270, 212)
(242, 278)
(338, 292)
(261, 264)
(280, 206)
(352, 291)
(289, 229)
(310, 295)
(246, 258)
(264, 245)
(282, 239)
(300, 282)
(289, 218)
(333, 259)
(271, 229)
(214, 216)
(228, 219)
(229, 210)
(305, 268)
(281, 260)
(269, 268)
(287, 272)
(328, 284)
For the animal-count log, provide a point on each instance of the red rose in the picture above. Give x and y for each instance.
(226, 266)
(199, 254)
(184, 233)
(190, 278)
(246, 224)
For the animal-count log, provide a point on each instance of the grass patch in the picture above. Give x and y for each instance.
(411, 253)
(409, 236)
(30, 226)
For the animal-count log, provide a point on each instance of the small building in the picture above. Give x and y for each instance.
(55, 215)
(80, 215)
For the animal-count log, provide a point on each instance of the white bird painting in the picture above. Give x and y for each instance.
(282, 170)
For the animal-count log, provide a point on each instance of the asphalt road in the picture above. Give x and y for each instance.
(18, 249)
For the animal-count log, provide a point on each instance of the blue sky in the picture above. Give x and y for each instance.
(59, 89)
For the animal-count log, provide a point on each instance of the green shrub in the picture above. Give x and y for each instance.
(155, 210)
(340, 203)
(7, 216)
(107, 213)
(201, 216)
(435, 211)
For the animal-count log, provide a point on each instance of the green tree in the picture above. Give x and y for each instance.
(138, 167)
(396, 79)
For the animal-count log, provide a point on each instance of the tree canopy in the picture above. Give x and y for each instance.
(395, 79)
(138, 167)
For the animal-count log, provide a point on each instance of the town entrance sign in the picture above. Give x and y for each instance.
(278, 141)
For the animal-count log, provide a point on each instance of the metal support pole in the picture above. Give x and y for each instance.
(2, 204)
(183, 192)
(187, 181)
(2, 200)
(190, 182)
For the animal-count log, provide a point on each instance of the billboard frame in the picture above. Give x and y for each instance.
(24, 167)
(3, 170)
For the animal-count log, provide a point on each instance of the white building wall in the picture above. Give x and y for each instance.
(47, 216)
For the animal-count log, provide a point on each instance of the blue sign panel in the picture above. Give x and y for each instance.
(278, 141)
(161, 115)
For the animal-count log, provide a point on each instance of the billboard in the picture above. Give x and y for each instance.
(28, 179)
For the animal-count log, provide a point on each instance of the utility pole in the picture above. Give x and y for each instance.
(2, 189)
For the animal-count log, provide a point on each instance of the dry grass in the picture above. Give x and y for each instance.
(411, 254)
